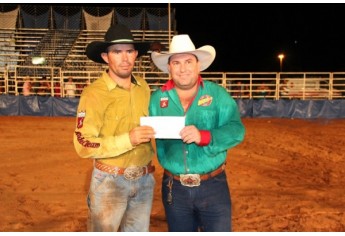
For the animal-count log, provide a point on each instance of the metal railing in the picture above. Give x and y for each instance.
(240, 85)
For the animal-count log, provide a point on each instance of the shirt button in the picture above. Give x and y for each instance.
(186, 152)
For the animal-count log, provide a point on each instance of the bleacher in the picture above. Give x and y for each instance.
(16, 45)
(55, 46)
(59, 36)
(61, 49)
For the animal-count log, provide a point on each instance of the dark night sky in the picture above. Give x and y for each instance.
(249, 37)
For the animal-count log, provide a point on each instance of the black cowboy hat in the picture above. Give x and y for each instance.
(116, 34)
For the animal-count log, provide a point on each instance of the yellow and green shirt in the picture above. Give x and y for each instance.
(106, 114)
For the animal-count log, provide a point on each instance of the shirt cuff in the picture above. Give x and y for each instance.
(123, 142)
(205, 138)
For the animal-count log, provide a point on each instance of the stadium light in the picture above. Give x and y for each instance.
(281, 57)
(38, 60)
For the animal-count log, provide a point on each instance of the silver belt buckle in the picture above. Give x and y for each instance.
(133, 172)
(190, 180)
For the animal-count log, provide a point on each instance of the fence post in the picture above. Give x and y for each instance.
(277, 86)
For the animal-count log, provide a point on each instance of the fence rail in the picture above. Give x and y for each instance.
(240, 85)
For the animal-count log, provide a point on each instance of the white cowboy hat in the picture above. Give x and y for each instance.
(183, 44)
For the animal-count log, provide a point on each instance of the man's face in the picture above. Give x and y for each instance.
(120, 58)
(184, 69)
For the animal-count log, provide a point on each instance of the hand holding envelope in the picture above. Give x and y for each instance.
(166, 127)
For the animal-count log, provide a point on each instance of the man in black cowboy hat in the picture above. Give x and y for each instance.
(108, 131)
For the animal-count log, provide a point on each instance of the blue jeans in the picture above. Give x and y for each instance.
(115, 202)
(204, 208)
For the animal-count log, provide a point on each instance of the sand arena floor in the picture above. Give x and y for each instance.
(288, 175)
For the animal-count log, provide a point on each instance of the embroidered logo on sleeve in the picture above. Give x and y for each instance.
(205, 100)
(80, 120)
(86, 143)
(164, 102)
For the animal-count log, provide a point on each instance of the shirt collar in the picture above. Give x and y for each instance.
(111, 84)
(170, 84)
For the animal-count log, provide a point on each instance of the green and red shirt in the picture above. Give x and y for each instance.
(214, 112)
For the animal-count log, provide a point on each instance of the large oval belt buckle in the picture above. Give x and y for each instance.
(190, 180)
(133, 172)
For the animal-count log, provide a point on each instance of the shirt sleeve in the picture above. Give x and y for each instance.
(230, 130)
(87, 140)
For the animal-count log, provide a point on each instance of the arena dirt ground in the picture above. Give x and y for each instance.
(288, 175)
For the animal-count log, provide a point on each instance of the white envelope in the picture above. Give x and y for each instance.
(166, 127)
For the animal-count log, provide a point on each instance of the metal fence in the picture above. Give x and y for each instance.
(240, 85)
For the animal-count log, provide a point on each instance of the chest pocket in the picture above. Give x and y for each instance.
(124, 116)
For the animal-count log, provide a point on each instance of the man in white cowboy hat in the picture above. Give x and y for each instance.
(195, 192)
(108, 131)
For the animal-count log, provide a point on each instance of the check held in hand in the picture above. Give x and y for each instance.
(166, 127)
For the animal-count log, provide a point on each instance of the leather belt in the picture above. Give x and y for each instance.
(203, 177)
(130, 173)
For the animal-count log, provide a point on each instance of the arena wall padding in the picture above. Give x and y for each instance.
(11, 105)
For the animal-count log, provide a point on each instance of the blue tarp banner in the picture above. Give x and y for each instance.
(303, 109)
(35, 21)
(35, 106)
(245, 107)
(134, 22)
(65, 106)
(158, 22)
(11, 105)
(67, 21)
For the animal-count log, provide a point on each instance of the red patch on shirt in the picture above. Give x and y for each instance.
(164, 102)
(80, 120)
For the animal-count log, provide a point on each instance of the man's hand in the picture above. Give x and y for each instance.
(141, 134)
(190, 134)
